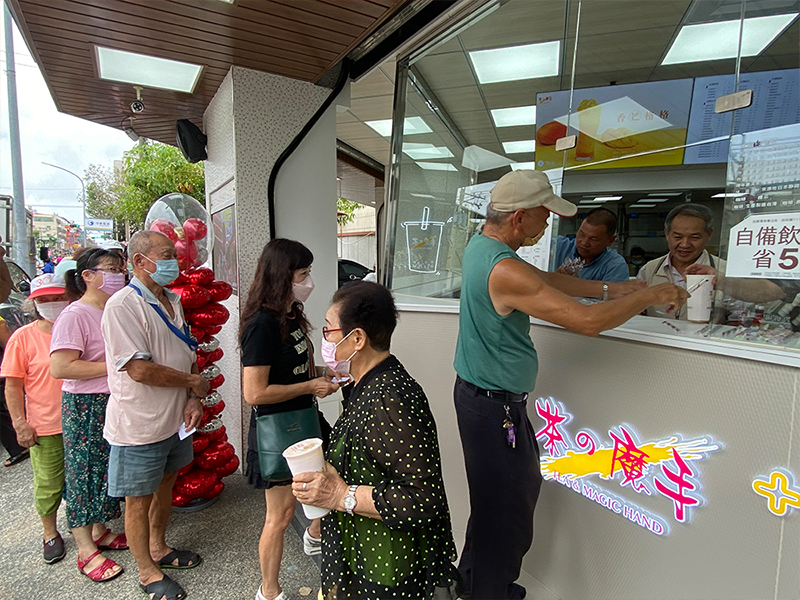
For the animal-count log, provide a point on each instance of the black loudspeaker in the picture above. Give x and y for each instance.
(191, 141)
(44, 254)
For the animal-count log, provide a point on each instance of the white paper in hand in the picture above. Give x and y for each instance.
(183, 434)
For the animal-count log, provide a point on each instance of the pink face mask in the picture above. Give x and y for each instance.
(303, 289)
(112, 282)
(328, 351)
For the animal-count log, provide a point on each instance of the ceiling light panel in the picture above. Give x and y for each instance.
(429, 166)
(519, 147)
(655, 199)
(728, 195)
(423, 151)
(513, 117)
(514, 63)
(665, 193)
(606, 198)
(642, 206)
(715, 41)
(147, 71)
(411, 126)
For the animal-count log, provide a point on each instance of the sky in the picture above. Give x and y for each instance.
(50, 136)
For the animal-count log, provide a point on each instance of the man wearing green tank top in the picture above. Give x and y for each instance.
(497, 364)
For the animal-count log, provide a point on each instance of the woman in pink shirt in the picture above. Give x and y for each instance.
(34, 402)
(77, 355)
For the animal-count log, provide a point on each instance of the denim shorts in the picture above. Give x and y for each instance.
(138, 470)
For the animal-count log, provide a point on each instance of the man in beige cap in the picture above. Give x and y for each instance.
(496, 365)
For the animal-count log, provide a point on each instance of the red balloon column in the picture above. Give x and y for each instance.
(186, 223)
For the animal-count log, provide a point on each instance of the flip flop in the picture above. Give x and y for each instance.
(119, 542)
(164, 588)
(12, 460)
(184, 558)
(97, 573)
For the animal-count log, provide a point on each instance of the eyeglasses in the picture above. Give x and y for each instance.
(115, 270)
(326, 331)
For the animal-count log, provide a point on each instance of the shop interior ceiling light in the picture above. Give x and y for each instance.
(527, 166)
(606, 198)
(655, 199)
(512, 117)
(514, 63)
(714, 41)
(734, 195)
(665, 193)
(411, 125)
(423, 151)
(642, 206)
(429, 166)
(519, 147)
(147, 71)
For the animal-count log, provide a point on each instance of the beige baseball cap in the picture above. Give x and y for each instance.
(528, 189)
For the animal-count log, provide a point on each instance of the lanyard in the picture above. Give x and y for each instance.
(185, 336)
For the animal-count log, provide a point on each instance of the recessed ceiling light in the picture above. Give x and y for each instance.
(665, 193)
(429, 166)
(147, 71)
(422, 195)
(523, 165)
(512, 117)
(411, 125)
(518, 147)
(656, 199)
(606, 198)
(423, 151)
(728, 195)
(642, 206)
(715, 41)
(530, 61)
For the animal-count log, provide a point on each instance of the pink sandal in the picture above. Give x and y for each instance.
(97, 573)
(120, 542)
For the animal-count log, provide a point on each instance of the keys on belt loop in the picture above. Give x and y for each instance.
(511, 432)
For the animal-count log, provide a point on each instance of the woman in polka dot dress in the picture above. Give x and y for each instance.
(388, 535)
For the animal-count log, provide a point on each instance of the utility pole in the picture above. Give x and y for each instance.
(83, 200)
(20, 243)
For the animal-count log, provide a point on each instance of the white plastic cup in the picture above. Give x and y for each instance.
(698, 306)
(303, 457)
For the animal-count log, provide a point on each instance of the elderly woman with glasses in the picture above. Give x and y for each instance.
(388, 535)
(77, 356)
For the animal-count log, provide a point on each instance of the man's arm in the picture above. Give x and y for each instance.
(759, 291)
(513, 286)
(586, 288)
(149, 373)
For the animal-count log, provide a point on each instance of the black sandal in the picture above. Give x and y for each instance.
(11, 461)
(184, 558)
(164, 588)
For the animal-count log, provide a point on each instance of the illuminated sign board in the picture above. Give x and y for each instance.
(664, 468)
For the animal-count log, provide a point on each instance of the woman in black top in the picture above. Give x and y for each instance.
(277, 361)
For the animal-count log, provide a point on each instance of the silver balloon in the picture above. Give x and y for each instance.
(213, 425)
(213, 398)
(210, 345)
(210, 372)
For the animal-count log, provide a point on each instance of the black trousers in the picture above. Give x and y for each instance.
(504, 486)
(8, 436)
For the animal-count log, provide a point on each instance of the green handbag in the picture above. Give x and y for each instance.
(276, 432)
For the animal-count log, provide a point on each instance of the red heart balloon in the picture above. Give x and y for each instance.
(199, 333)
(192, 296)
(215, 356)
(228, 468)
(219, 290)
(216, 455)
(211, 314)
(201, 361)
(216, 409)
(195, 229)
(196, 483)
(181, 280)
(165, 227)
(179, 499)
(187, 252)
(217, 381)
(200, 442)
(219, 435)
(215, 491)
(202, 276)
(187, 468)
(213, 330)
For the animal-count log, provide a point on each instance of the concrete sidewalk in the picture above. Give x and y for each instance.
(225, 535)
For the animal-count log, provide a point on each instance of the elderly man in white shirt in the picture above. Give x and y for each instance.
(155, 391)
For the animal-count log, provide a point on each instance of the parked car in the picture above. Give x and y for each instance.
(11, 310)
(349, 270)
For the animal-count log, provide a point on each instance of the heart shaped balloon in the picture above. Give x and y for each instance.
(187, 253)
(189, 224)
(228, 468)
(186, 469)
(200, 276)
(179, 499)
(196, 483)
(195, 229)
(213, 330)
(192, 296)
(215, 355)
(209, 315)
(220, 434)
(200, 442)
(217, 381)
(199, 333)
(164, 226)
(201, 361)
(219, 290)
(216, 455)
(216, 409)
(215, 491)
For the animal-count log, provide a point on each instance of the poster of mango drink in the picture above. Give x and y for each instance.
(620, 126)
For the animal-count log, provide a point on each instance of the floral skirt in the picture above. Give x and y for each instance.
(86, 460)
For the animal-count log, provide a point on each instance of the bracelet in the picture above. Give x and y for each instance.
(605, 291)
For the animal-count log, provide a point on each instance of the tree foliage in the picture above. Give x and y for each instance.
(345, 211)
(150, 170)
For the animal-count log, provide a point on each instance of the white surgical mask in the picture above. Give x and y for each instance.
(532, 241)
(302, 290)
(50, 310)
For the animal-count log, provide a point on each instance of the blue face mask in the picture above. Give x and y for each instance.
(167, 271)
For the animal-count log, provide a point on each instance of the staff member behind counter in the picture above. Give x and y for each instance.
(592, 246)
(497, 364)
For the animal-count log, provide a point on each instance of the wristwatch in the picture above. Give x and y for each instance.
(350, 500)
(605, 291)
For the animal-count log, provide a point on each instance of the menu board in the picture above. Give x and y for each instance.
(775, 103)
(620, 126)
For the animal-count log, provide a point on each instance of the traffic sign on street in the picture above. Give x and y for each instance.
(100, 224)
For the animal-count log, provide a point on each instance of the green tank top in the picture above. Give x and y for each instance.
(492, 352)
